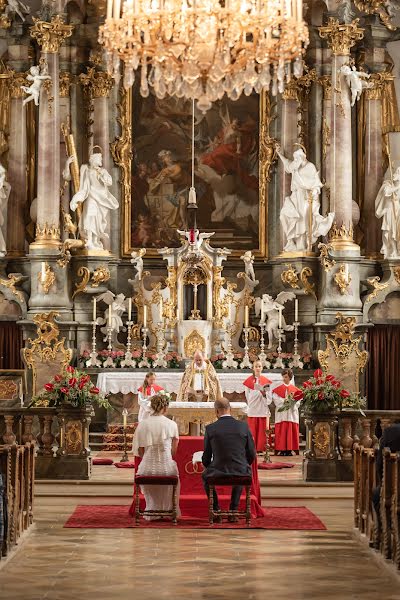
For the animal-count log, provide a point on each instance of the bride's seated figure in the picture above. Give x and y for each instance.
(156, 441)
(199, 382)
(145, 392)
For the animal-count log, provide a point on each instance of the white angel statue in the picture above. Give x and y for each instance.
(248, 260)
(97, 201)
(194, 237)
(270, 309)
(37, 74)
(356, 81)
(387, 208)
(5, 189)
(17, 7)
(137, 260)
(112, 316)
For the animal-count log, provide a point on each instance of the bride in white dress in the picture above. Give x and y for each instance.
(156, 441)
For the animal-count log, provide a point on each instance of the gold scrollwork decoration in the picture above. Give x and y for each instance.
(381, 8)
(343, 279)
(8, 389)
(326, 261)
(341, 36)
(194, 341)
(11, 283)
(321, 439)
(80, 286)
(73, 437)
(100, 275)
(377, 287)
(290, 276)
(309, 288)
(46, 278)
(51, 35)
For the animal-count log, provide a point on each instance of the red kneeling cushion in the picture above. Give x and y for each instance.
(125, 465)
(102, 461)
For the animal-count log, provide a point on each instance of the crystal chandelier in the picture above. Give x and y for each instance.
(202, 49)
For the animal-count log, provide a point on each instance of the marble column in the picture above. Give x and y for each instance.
(65, 82)
(49, 37)
(17, 168)
(341, 38)
(326, 83)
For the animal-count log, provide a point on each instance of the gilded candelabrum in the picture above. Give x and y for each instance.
(230, 362)
(128, 358)
(109, 361)
(144, 363)
(262, 357)
(296, 362)
(279, 363)
(93, 360)
(160, 356)
(246, 362)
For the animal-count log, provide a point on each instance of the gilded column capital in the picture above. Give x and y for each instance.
(378, 82)
(326, 82)
(17, 80)
(341, 36)
(291, 91)
(50, 36)
(66, 81)
(97, 84)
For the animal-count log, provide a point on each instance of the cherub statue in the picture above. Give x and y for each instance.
(194, 237)
(112, 319)
(269, 309)
(248, 260)
(17, 7)
(356, 81)
(137, 260)
(96, 198)
(37, 74)
(5, 189)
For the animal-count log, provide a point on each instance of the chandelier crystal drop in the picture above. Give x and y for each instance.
(203, 49)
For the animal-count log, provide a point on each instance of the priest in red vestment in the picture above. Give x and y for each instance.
(287, 421)
(258, 398)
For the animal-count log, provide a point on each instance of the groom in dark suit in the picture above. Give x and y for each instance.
(228, 450)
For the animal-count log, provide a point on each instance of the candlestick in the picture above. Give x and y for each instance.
(109, 360)
(279, 363)
(262, 357)
(130, 309)
(128, 361)
(296, 310)
(125, 457)
(93, 360)
(160, 356)
(246, 363)
(296, 362)
(94, 309)
(230, 362)
(267, 458)
(144, 363)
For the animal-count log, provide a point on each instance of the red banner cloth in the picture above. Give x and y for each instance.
(192, 493)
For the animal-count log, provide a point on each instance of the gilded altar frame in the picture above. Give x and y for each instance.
(122, 153)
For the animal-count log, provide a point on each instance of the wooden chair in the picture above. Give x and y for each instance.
(171, 480)
(229, 481)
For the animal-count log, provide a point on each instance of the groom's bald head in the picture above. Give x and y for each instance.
(222, 407)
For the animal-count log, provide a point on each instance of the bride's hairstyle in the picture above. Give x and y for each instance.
(146, 380)
(158, 402)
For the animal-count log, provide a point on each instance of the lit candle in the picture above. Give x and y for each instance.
(130, 309)
(246, 316)
(109, 316)
(161, 309)
(43, 273)
(296, 310)
(117, 9)
(94, 309)
(280, 319)
(125, 417)
(109, 9)
(145, 315)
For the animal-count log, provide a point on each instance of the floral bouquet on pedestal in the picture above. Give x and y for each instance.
(71, 387)
(323, 394)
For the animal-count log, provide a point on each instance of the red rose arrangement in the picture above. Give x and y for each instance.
(323, 393)
(71, 387)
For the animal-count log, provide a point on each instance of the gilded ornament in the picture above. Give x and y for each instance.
(73, 437)
(382, 8)
(324, 257)
(267, 147)
(47, 278)
(97, 84)
(396, 272)
(290, 276)
(194, 341)
(341, 235)
(11, 283)
(309, 288)
(66, 80)
(326, 82)
(326, 137)
(16, 82)
(321, 438)
(341, 36)
(50, 36)
(343, 279)
(100, 275)
(47, 234)
(80, 286)
(8, 389)
(377, 287)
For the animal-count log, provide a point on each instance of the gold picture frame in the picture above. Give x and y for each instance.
(122, 151)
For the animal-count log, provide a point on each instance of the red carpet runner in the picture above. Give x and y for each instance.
(117, 517)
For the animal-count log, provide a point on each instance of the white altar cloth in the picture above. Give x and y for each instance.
(129, 382)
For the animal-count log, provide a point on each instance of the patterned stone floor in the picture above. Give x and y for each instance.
(64, 564)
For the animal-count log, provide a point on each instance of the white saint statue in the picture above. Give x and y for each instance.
(37, 74)
(248, 260)
(17, 7)
(387, 208)
(5, 189)
(97, 201)
(272, 314)
(295, 214)
(356, 80)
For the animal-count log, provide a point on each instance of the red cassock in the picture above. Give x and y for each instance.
(258, 410)
(286, 422)
(151, 390)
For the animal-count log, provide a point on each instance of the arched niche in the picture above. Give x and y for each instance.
(9, 309)
(387, 311)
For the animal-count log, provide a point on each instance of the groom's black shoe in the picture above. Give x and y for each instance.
(217, 517)
(233, 519)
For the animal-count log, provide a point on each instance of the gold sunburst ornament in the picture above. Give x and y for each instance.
(202, 49)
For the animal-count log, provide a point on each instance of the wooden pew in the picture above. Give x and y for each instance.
(357, 485)
(395, 516)
(387, 490)
(367, 482)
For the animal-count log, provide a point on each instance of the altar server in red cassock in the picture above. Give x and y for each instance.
(145, 392)
(258, 398)
(287, 421)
